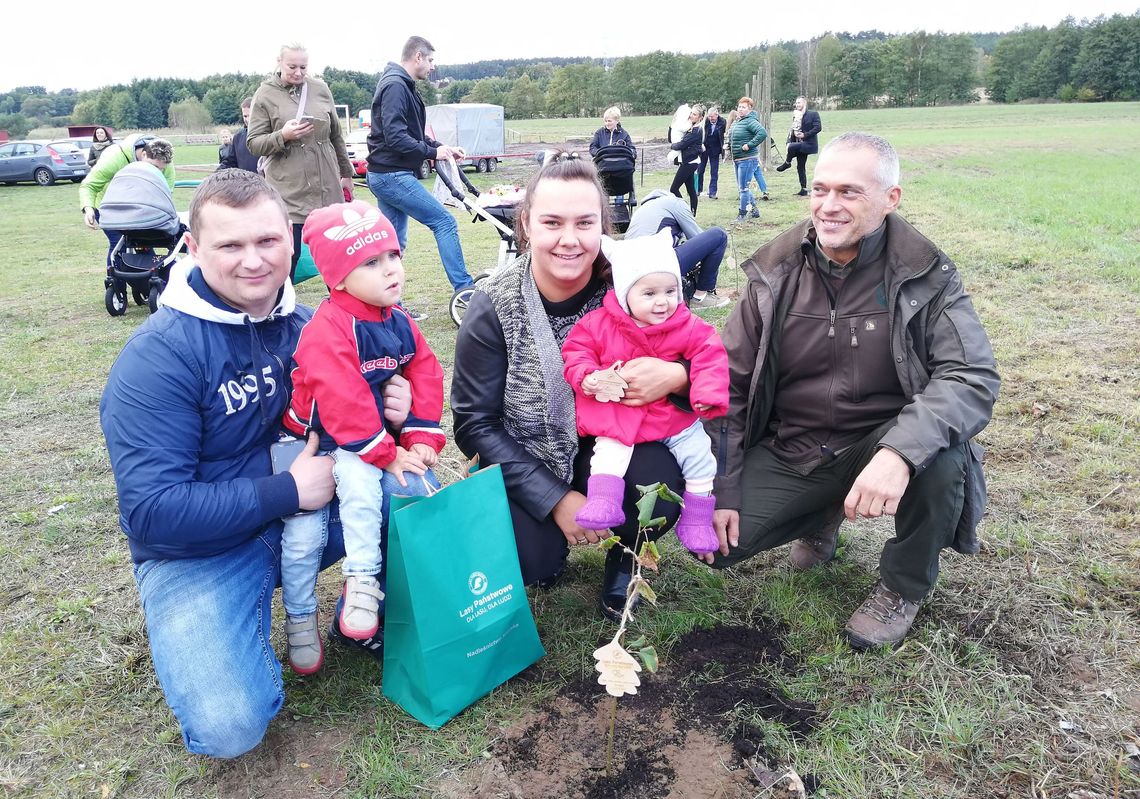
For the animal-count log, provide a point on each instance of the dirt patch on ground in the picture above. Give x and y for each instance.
(690, 732)
(295, 761)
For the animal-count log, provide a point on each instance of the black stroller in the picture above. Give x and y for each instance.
(139, 205)
(616, 165)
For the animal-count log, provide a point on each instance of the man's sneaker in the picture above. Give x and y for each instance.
(306, 652)
(710, 300)
(358, 614)
(741, 217)
(883, 618)
(755, 214)
(783, 166)
(373, 646)
(812, 550)
(765, 197)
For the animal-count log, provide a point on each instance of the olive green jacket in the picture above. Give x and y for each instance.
(306, 171)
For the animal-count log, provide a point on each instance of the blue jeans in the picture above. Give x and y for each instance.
(208, 621)
(363, 493)
(399, 195)
(706, 250)
(746, 170)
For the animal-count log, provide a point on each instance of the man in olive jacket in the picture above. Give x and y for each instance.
(859, 375)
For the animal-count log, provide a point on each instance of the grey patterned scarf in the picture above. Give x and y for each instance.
(538, 404)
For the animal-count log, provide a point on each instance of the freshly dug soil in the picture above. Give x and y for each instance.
(689, 732)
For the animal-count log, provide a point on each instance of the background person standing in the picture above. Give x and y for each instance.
(398, 145)
(714, 145)
(294, 126)
(802, 141)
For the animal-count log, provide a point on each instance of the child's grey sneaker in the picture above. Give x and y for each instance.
(359, 617)
(306, 652)
(710, 300)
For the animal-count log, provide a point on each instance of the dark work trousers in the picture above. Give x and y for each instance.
(543, 548)
(712, 161)
(686, 176)
(296, 251)
(706, 250)
(781, 505)
(795, 150)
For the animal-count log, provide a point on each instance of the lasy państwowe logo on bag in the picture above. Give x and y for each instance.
(485, 599)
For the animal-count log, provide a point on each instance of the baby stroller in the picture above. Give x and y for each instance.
(502, 216)
(138, 204)
(616, 164)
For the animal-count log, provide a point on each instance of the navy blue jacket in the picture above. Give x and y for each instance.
(239, 156)
(714, 136)
(397, 141)
(604, 137)
(191, 407)
(690, 145)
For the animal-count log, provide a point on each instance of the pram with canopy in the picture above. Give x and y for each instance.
(139, 205)
(616, 165)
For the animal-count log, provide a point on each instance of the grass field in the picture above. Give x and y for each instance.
(1022, 678)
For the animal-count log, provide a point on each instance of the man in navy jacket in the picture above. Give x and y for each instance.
(398, 146)
(191, 407)
(710, 156)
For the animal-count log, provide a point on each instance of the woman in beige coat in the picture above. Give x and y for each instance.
(302, 150)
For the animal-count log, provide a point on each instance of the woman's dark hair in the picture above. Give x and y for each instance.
(561, 165)
(105, 130)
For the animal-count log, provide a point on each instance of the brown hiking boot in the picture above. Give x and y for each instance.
(812, 550)
(883, 618)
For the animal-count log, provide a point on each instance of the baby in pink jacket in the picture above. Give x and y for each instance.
(645, 315)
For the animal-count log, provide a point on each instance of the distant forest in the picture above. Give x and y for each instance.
(1086, 61)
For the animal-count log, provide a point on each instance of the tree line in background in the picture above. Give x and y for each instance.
(1090, 60)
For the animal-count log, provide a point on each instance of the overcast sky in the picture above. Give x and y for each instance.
(91, 44)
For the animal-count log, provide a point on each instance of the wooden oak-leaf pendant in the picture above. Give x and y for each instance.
(618, 669)
(610, 385)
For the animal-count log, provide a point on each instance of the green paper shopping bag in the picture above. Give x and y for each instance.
(457, 620)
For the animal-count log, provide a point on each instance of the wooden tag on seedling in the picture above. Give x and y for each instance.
(611, 386)
(618, 669)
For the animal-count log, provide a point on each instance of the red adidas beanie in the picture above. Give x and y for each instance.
(342, 236)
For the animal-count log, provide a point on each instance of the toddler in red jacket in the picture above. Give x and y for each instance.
(645, 315)
(356, 341)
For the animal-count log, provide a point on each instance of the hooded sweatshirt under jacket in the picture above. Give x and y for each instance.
(191, 407)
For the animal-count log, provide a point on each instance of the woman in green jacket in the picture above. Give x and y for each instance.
(293, 126)
(136, 147)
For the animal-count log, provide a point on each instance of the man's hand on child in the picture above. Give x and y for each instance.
(313, 475)
(405, 461)
(426, 454)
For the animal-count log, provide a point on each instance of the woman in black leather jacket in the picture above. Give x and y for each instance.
(510, 403)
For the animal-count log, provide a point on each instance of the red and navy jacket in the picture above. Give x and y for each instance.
(345, 354)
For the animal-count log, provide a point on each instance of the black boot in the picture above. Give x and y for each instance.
(783, 166)
(615, 581)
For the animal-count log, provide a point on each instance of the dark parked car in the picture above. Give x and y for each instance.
(42, 163)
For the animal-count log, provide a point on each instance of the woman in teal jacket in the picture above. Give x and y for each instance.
(745, 139)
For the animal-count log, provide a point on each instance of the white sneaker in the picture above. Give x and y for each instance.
(710, 300)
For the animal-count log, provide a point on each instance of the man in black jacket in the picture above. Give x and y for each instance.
(398, 145)
(859, 376)
(710, 156)
(802, 141)
(239, 156)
